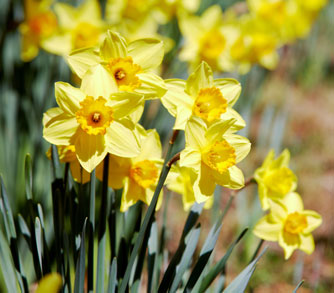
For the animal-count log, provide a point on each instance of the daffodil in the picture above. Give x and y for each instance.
(137, 176)
(79, 27)
(274, 178)
(67, 155)
(182, 180)
(50, 283)
(128, 65)
(207, 38)
(203, 97)
(93, 119)
(39, 24)
(213, 153)
(289, 224)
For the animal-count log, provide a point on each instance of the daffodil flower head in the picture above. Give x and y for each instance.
(202, 96)
(274, 178)
(129, 65)
(289, 224)
(212, 152)
(93, 119)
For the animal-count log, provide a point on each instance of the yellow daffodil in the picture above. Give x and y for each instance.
(51, 283)
(204, 97)
(79, 27)
(182, 180)
(207, 38)
(67, 155)
(213, 153)
(137, 176)
(92, 119)
(289, 224)
(128, 65)
(274, 178)
(39, 24)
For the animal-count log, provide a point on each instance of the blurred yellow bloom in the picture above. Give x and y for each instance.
(79, 27)
(67, 155)
(274, 178)
(204, 97)
(51, 283)
(213, 153)
(39, 24)
(137, 176)
(207, 38)
(182, 180)
(289, 224)
(92, 119)
(129, 65)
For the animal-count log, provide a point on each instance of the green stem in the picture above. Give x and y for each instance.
(91, 229)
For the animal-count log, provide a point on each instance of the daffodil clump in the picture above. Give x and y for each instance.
(286, 221)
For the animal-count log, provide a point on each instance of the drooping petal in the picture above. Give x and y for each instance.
(79, 174)
(98, 82)
(132, 192)
(203, 190)
(201, 78)
(233, 178)
(147, 53)
(293, 202)
(152, 86)
(51, 113)
(262, 190)
(218, 129)
(289, 242)
(82, 59)
(306, 243)
(230, 89)
(60, 129)
(314, 220)
(182, 117)
(190, 158)
(114, 46)
(124, 103)
(240, 144)
(90, 150)
(68, 97)
(206, 181)
(267, 230)
(122, 139)
(195, 133)
(278, 212)
(150, 146)
(232, 114)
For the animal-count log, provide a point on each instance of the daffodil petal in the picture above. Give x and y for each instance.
(68, 97)
(195, 133)
(131, 194)
(114, 46)
(124, 103)
(147, 53)
(79, 174)
(198, 194)
(152, 86)
(90, 10)
(51, 283)
(267, 230)
(218, 129)
(190, 158)
(82, 59)
(182, 117)
(293, 202)
(60, 129)
(65, 14)
(137, 113)
(263, 196)
(233, 178)
(90, 150)
(58, 44)
(230, 89)
(51, 113)
(289, 243)
(240, 144)
(150, 146)
(202, 77)
(232, 114)
(98, 82)
(122, 139)
(306, 243)
(314, 220)
(206, 181)
(282, 160)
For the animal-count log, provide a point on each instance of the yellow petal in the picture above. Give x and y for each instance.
(293, 202)
(314, 220)
(152, 86)
(89, 10)
(232, 178)
(232, 114)
(267, 230)
(182, 117)
(212, 16)
(137, 113)
(82, 59)
(282, 160)
(122, 139)
(124, 103)
(114, 46)
(60, 129)
(262, 190)
(206, 181)
(306, 243)
(65, 14)
(195, 133)
(202, 77)
(147, 53)
(50, 283)
(278, 212)
(230, 89)
(150, 147)
(79, 174)
(190, 158)
(90, 150)
(58, 44)
(132, 192)
(218, 129)
(29, 48)
(98, 82)
(289, 242)
(240, 144)
(68, 97)
(51, 113)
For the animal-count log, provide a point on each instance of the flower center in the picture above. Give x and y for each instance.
(144, 173)
(280, 180)
(125, 73)
(94, 116)
(85, 35)
(209, 104)
(43, 24)
(295, 223)
(212, 45)
(219, 156)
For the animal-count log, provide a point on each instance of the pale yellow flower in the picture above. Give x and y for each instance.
(289, 224)
(50, 283)
(204, 97)
(92, 119)
(274, 178)
(213, 153)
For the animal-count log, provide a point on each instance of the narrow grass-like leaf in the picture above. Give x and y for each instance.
(298, 286)
(213, 273)
(220, 284)
(28, 176)
(7, 265)
(39, 245)
(67, 279)
(112, 283)
(91, 230)
(240, 283)
(24, 228)
(80, 267)
(190, 243)
(55, 162)
(152, 257)
(7, 212)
